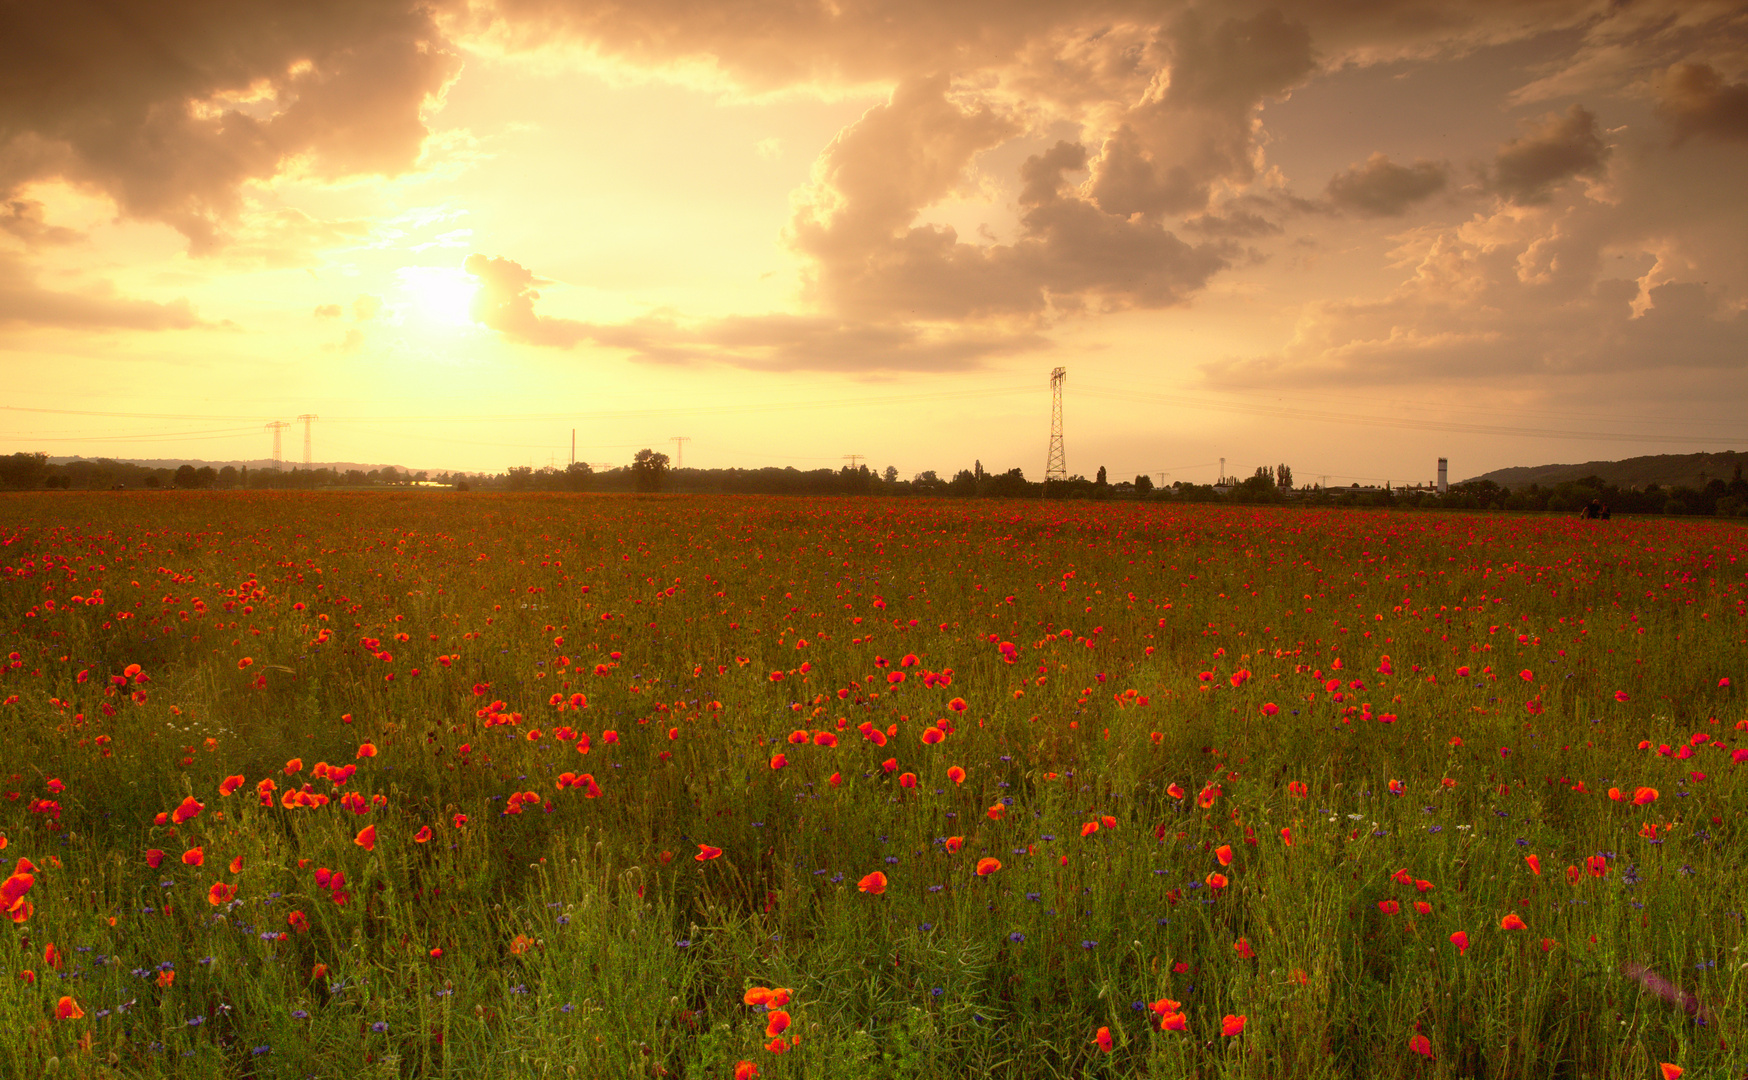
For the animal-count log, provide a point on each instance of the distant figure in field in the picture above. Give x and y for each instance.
(1592, 510)
(1605, 511)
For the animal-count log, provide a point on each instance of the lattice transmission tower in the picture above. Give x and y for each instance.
(306, 418)
(277, 426)
(1056, 463)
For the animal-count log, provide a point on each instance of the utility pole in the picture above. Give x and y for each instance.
(277, 426)
(852, 459)
(573, 446)
(1056, 460)
(680, 442)
(1162, 477)
(306, 418)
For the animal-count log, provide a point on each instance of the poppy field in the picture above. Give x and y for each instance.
(450, 785)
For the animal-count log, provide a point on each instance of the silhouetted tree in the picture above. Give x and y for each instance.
(1143, 485)
(649, 469)
(1100, 481)
(23, 470)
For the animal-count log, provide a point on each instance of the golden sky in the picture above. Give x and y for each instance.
(1348, 237)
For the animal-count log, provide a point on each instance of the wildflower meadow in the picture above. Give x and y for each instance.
(465, 785)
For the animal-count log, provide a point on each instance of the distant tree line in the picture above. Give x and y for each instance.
(650, 471)
(27, 471)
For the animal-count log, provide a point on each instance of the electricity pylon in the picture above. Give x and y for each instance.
(1056, 463)
(306, 418)
(277, 426)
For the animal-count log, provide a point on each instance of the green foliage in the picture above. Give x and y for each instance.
(1353, 679)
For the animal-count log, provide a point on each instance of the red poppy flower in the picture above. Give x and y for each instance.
(187, 811)
(1174, 791)
(1287, 836)
(1644, 795)
(745, 1070)
(1216, 881)
(1511, 921)
(366, 838)
(986, 866)
(68, 1009)
(1103, 1038)
(1421, 1045)
(824, 738)
(1242, 948)
(230, 784)
(298, 921)
(220, 893)
(1231, 1025)
(776, 1024)
(1622, 696)
(956, 774)
(193, 857)
(1174, 1021)
(1535, 864)
(706, 853)
(996, 812)
(1224, 854)
(777, 1046)
(1269, 708)
(954, 843)
(778, 761)
(423, 835)
(1389, 907)
(1461, 941)
(154, 858)
(1597, 865)
(1089, 828)
(52, 956)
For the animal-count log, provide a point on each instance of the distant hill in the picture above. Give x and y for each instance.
(1667, 470)
(261, 463)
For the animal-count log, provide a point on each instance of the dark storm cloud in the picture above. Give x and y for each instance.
(169, 107)
(1697, 101)
(1381, 188)
(1551, 151)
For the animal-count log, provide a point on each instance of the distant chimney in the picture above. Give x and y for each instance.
(1443, 483)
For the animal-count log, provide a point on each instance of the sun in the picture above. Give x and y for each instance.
(441, 295)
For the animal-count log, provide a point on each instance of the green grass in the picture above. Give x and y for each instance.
(581, 936)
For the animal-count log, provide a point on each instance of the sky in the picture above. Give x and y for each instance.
(1350, 237)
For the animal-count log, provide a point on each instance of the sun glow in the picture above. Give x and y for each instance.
(439, 294)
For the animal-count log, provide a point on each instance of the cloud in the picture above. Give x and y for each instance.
(327, 311)
(505, 302)
(23, 218)
(1382, 188)
(1168, 151)
(169, 110)
(777, 342)
(1647, 289)
(25, 303)
(881, 173)
(1696, 100)
(366, 307)
(1559, 147)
